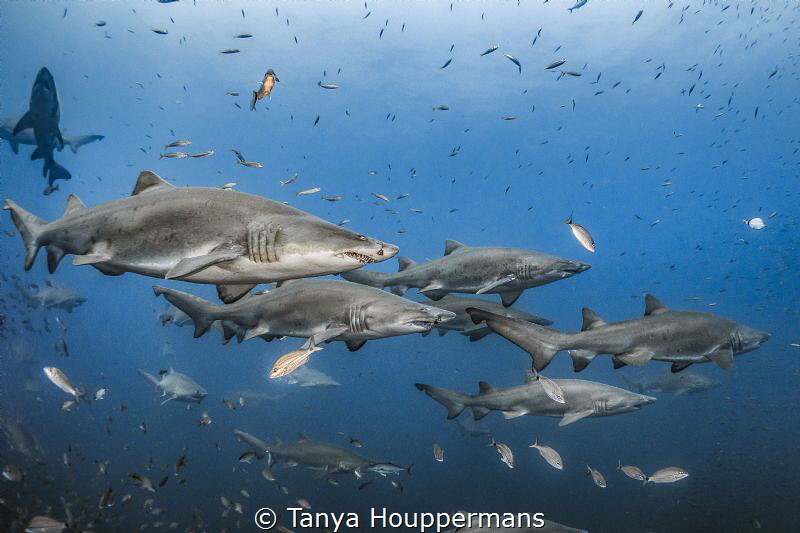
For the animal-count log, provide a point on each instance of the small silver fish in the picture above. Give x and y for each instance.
(12, 473)
(597, 477)
(228, 186)
(555, 64)
(251, 164)
(633, 472)
(438, 453)
(302, 502)
(247, 457)
(327, 85)
(243, 36)
(356, 442)
(306, 192)
(66, 405)
(505, 452)
(491, 49)
(333, 198)
(441, 108)
(176, 144)
(549, 454)
(143, 482)
(202, 154)
(582, 236)
(60, 380)
(515, 61)
(160, 32)
(230, 51)
(671, 474)
(173, 155)
(380, 196)
(205, 420)
(100, 394)
(290, 179)
(229, 404)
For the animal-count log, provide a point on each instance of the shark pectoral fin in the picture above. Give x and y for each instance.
(354, 345)
(637, 358)
(190, 265)
(433, 286)
(478, 334)
(581, 358)
(436, 295)
(574, 416)
(14, 146)
(509, 297)
(723, 356)
(677, 367)
(230, 293)
(24, 123)
(260, 329)
(440, 331)
(618, 363)
(496, 283)
(478, 412)
(508, 415)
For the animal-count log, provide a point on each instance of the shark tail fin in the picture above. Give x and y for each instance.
(541, 343)
(373, 279)
(202, 313)
(56, 171)
(30, 227)
(453, 401)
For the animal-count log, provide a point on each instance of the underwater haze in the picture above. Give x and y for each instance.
(669, 133)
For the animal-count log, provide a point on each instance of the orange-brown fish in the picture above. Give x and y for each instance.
(265, 89)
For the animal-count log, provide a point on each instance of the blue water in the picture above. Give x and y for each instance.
(663, 186)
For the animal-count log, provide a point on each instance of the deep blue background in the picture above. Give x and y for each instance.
(662, 186)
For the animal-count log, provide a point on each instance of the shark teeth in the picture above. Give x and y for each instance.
(364, 259)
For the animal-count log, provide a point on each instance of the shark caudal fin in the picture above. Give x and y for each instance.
(541, 343)
(373, 279)
(30, 228)
(202, 313)
(454, 401)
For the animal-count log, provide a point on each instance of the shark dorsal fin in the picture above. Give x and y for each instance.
(148, 180)
(451, 246)
(652, 306)
(301, 437)
(73, 204)
(591, 320)
(485, 388)
(404, 263)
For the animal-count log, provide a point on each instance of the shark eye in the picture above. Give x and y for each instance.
(380, 252)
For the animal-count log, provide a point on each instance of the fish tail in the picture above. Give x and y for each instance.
(453, 401)
(373, 279)
(56, 171)
(202, 312)
(30, 228)
(541, 343)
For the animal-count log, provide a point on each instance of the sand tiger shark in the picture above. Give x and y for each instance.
(582, 399)
(474, 270)
(679, 337)
(203, 235)
(43, 116)
(317, 310)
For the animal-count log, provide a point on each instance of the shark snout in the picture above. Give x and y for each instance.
(387, 251)
(576, 267)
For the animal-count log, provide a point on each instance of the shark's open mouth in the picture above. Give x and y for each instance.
(361, 258)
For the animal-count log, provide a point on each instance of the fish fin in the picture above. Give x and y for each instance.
(485, 388)
(149, 377)
(574, 416)
(302, 437)
(30, 228)
(76, 142)
(260, 329)
(496, 283)
(147, 181)
(54, 256)
(373, 279)
(14, 145)
(108, 270)
(99, 254)
(581, 358)
(354, 345)
(591, 320)
(202, 313)
(190, 265)
(433, 286)
(404, 263)
(677, 367)
(331, 332)
(436, 295)
(478, 335)
(453, 401)
(509, 297)
(399, 290)
(253, 101)
(73, 204)
(60, 139)
(23, 123)
(479, 412)
(652, 306)
(531, 376)
(541, 343)
(231, 293)
(441, 331)
(722, 356)
(56, 172)
(617, 362)
(635, 358)
(37, 153)
(508, 415)
(451, 246)
(425, 333)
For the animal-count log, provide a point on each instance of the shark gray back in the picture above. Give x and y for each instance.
(203, 235)
(474, 270)
(680, 337)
